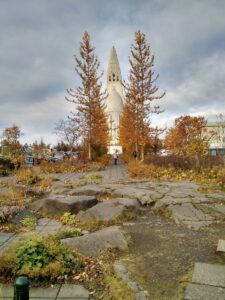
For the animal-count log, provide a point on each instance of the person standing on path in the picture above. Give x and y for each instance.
(115, 156)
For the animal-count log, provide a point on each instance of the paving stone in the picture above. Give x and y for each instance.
(43, 221)
(196, 225)
(120, 268)
(204, 292)
(90, 190)
(188, 212)
(42, 298)
(44, 292)
(169, 200)
(6, 291)
(218, 207)
(5, 237)
(143, 295)
(133, 286)
(72, 291)
(221, 246)
(54, 223)
(211, 274)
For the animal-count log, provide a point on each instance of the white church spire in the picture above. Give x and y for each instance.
(114, 77)
(114, 101)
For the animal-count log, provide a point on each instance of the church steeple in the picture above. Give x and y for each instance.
(114, 77)
(114, 101)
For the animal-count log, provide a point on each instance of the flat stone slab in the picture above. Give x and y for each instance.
(72, 291)
(6, 291)
(204, 292)
(90, 190)
(92, 244)
(221, 246)
(59, 204)
(109, 210)
(4, 237)
(211, 274)
(44, 292)
(187, 212)
(66, 291)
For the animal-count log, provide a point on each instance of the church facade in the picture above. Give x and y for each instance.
(114, 101)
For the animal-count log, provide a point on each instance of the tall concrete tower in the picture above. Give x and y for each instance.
(114, 101)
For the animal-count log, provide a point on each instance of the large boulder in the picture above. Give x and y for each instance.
(109, 210)
(94, 243)
(91, 190)
(59, 204)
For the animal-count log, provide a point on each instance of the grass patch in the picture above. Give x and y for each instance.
(100, 224)
(68, 232)
(114, 287)
(12, 197)
(91, 176)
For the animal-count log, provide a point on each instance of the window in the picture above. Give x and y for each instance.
(117, 78)
(109, 78)
(113, 76)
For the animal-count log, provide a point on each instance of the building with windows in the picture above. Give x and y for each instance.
(215, 133)
(114, 101)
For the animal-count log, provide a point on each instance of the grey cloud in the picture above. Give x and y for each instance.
(39, 38)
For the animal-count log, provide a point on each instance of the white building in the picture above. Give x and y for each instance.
(114, 101)
(215, 132)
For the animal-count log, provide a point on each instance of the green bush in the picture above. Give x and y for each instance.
(68, 218)
(40, 258)
(29, 222)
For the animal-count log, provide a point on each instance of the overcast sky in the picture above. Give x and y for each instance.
(38, 39)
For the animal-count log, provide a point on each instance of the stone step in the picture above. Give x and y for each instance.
(204, 292)
(209, 274)
(221, 246)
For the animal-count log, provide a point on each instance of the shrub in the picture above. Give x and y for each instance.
(29, 222)
(28, 176)
(40, 258)
(68, 218)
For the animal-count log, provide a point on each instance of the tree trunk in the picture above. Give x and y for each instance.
(198, 163)
(142, 153)
(136, 150)
(89, 151)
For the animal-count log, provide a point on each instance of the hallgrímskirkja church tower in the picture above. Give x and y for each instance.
(114, 101)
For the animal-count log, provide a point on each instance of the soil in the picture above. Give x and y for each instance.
(162, 254)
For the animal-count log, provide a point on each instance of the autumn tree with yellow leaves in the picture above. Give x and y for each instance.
(187, 137)
(140, 91)
(89, 111)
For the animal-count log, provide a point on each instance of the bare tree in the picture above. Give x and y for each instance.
(68, 131)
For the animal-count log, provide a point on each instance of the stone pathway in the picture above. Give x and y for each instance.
(44, 227)
(64, 291)
(164, 249)
(113, 173)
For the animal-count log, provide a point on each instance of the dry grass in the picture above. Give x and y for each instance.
(215, 175)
